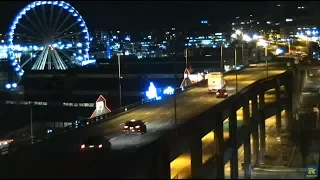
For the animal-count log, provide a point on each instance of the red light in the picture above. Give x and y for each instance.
(83, 146)
(100, 146)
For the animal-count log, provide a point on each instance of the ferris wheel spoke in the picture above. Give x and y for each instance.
(69, 27)
(33, 43)
(28, 60)
(69, 58)
(51, 16)
(34, 25)
(61, 64)
(65, 36)
(63, 22)
(71, 50)
(28, 29)
(57, 20)
(38, 19)
(44, 18)
(31, 37)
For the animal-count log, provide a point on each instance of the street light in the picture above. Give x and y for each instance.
(186, 58)
(119, 80)
(264, 44)
(174, 93)
(266, 56)
(235, 64)
(221, 59)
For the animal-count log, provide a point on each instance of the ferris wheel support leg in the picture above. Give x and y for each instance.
(38, 62)
(44, 60)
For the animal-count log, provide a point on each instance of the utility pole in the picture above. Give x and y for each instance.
(235, 64)
(221, 59)
(31, 122)
(266, 56)
(174, 94)
(119, 80)
(242, 56)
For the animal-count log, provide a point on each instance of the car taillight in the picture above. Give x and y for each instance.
(225, 93)
(100, 146)
(83, 146)
(217, 93)
(126, 127)
(137, 127)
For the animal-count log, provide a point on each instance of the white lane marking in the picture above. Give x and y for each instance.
(168, 113)
(113, 138)
(148, 113)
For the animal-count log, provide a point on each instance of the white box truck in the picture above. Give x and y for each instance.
(216, 82)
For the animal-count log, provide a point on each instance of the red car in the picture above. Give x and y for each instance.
(222, 93)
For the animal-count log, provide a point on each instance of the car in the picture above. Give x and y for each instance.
(135, 126)
(222, 93)
(95, 142)
(252, 65)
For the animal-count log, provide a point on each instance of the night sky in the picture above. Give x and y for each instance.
(136, 15)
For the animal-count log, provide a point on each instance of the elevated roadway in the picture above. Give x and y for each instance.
(159, 116)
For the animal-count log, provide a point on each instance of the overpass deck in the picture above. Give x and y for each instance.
(159, 116)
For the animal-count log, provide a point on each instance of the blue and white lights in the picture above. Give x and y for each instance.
(11, 86)
(152, 92)
(168, 91)
(47, 51)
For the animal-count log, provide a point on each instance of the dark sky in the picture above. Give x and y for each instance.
(140, 15)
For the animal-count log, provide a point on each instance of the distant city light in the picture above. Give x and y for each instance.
(246, 37)
(204, 22)
(168, 91)
(8, 86)
(238, 32)
(206, 42)
(279, 51)
(127, 38)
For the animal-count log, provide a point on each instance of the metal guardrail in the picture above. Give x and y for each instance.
(108, 116)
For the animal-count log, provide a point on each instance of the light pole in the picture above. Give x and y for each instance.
(235, 64)
(186, 58)
(119, 80)
(242, 56)
(174, 93)
(221, 59)
(266, 56)
(31, 122)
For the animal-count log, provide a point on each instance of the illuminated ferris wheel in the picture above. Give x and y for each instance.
(47, 35)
